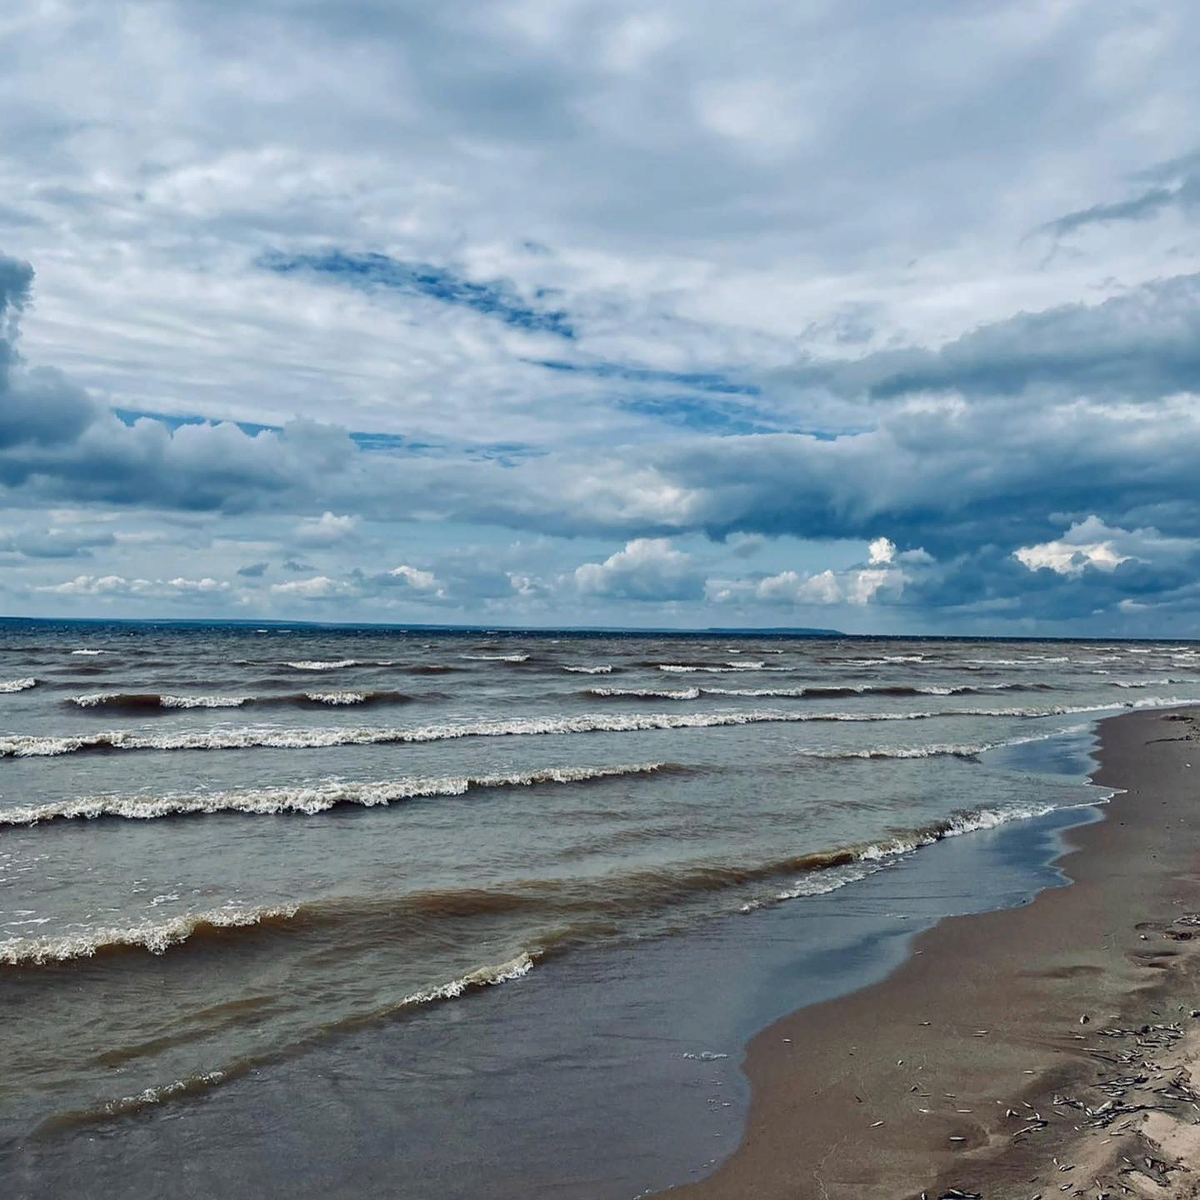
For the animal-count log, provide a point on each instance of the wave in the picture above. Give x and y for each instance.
(17, 685)
(310, 800)
(361, 921)
(692, 693)
(603, 669)
(724, 669)
(508, 658)
(157, 937)
(876, 855)
(309, 664)
(970, 753)
(250, 737)
(838, 691)
(884, 660)
(140, 703)
(89, 653)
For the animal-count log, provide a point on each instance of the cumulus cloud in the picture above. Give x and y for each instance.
(646, 569)
(418, 580)
(117, 585)
(1074, 552)
(881, 578)
(324, 530)
(319, 587)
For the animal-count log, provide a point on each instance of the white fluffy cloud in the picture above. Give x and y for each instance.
(116, 585)
(858, 587)
(1073, 553)
(325, 530)
(646, 569)
(318, 587)
(418, 580)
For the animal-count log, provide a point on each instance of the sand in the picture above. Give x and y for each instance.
(1046, 1050)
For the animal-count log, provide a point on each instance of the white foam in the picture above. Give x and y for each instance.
(96, 699)
(757, 693)
(508, 658)
(336, 698)
(235, 738)
(320, 665)
(605, 669)
(876, 856)
(506, 972)
(157, 937)
(312, 799)
(728, 669)
(17, 685)
(89, 653)
(692, 693)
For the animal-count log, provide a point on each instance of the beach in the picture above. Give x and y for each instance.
(1046, 1049)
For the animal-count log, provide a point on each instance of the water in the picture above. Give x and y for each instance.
(237, 864)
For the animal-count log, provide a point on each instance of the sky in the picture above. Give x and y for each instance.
(871, 315)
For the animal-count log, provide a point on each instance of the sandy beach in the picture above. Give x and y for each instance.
(1046, 1050)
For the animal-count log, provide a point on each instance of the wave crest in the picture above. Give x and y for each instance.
(308, 800)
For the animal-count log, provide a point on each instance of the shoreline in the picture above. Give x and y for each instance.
(984, 1064)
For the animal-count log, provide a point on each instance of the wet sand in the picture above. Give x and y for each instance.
(1044, 1050)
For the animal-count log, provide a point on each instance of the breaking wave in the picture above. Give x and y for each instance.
(234, 738)
(143, 703)
(312, 799)
(692, 693)
(155, 936)
(17, 685)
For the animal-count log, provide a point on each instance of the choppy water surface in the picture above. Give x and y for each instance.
(226, 852)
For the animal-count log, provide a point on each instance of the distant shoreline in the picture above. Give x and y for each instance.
(504, 631)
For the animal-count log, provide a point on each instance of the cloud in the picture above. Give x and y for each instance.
(253, 570)
(881, 579)
(420, 581)
(646, 569)
(36, 407)
(1140, 344)
(319, 587)
(1177, 186)
(118, 586)
(1074, 553)
(56, 542)
(325, 530)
